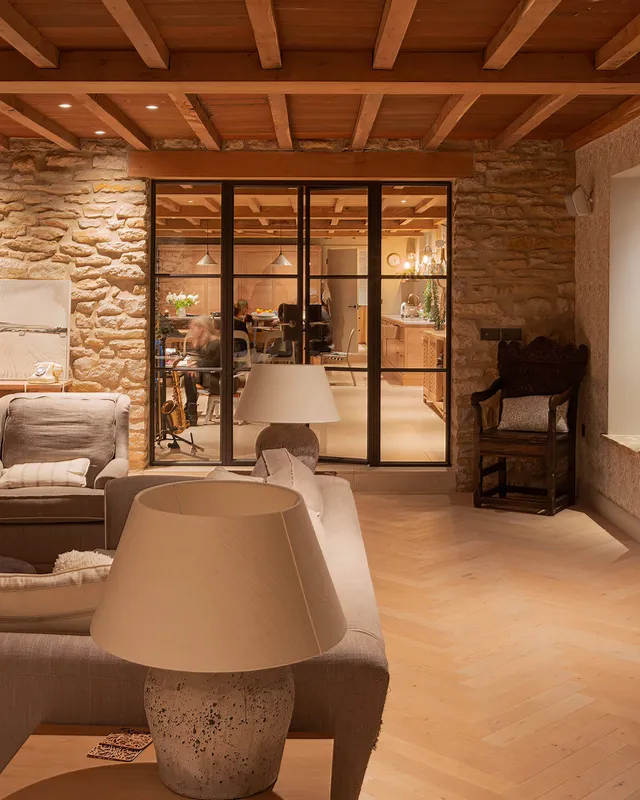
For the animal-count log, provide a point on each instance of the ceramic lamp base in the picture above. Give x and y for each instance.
(298, 439)
(219, 736)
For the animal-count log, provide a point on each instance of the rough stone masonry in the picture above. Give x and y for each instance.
(79, 215)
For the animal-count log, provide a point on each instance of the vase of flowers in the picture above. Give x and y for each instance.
(182, 302)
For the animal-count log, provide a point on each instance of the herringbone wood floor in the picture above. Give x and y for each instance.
(514, 648)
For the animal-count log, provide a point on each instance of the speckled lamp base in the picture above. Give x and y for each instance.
(297, 438)
(219, 736)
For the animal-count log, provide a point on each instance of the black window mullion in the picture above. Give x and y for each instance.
(226, 292)
(374, 321)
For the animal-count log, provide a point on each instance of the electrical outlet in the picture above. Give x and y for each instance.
(490, 334)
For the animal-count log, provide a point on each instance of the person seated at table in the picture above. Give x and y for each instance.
(241, 318)
(203, 350)
(324, 332)
(279, 348)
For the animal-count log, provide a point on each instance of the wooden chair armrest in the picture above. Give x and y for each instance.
(560, 399)
(480, 397)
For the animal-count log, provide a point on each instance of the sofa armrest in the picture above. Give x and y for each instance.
(116, 468)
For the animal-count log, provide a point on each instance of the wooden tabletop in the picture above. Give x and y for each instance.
(9, 387)
(56, 767)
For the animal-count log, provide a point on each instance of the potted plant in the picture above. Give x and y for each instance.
(181, 302)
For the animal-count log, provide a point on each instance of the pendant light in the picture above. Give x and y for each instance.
(280, 260)
(207, 260)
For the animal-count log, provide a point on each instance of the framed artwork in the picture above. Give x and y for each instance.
(34, 326)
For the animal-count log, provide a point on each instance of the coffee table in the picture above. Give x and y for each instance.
(53, 765)
(15, 565)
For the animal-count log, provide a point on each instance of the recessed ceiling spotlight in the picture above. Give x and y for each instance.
(152, 108)
(403, 201)
(100, 133)
(189, 201)
(64, 105)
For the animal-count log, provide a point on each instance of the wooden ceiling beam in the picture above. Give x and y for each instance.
(27, 116)
(394, 23)
(106, 110)
(452, 112)
(254, 205)
(265, 31)
(623, 46)
(210, 204)
(136, 23)
(199, 121)
(169, 204)
(609, 122)
(533, 116)
(285, 213)
(119, 72)
(367, 113)
(280, 117)
(425, 204)
(26, 39)
(520, 26)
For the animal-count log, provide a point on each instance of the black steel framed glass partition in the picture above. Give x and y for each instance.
(354, 277)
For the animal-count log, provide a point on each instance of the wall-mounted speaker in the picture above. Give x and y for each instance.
(578, 203)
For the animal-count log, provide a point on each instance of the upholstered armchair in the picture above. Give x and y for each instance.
(550, 374)
(36, 524)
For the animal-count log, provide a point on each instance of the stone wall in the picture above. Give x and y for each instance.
(513, 252)
(79, 216)
(604, 465)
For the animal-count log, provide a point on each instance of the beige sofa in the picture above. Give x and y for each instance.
(65, 679)
(37, 524)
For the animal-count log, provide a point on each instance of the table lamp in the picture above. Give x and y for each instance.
(289, 396)
(218, 587)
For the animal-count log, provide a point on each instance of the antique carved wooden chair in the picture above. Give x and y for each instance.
(543, 367)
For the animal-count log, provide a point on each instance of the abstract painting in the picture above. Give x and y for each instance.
(34, 326)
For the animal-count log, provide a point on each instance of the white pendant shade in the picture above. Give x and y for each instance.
(207, 261)
(287, 393)
(280, 261)
(222, 576)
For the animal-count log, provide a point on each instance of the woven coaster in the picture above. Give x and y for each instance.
(123, 745)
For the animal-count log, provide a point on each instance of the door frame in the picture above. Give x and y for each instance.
(303, 243)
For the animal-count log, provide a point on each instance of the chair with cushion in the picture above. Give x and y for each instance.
(39, 522)
(538, 388)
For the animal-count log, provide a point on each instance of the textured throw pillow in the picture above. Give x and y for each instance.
(222, 474)
(531, 413)
(60, 603)
(78, 559)
(283, 469)
(48, 473)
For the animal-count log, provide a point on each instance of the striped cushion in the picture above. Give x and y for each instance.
(49, 473)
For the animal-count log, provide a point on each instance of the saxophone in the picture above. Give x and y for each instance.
(174, 409)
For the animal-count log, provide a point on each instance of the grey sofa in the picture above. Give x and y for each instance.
(65, 679)
(37, 524)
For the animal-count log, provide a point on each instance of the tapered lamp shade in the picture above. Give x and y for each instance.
(287, 393)
(218, 577)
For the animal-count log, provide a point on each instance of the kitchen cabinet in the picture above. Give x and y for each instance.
(402, 347)
(434, 344)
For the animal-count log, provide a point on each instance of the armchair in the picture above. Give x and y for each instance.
(542, 367)
(36, 524)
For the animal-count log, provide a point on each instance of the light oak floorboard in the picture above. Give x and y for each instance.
(514, 650)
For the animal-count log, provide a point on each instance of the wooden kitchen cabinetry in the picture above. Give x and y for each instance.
(434, 391)
(402, 347)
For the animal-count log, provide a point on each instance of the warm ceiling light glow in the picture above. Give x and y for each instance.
(100, 133)
(189, 201)
(152, 108)
(64, 105)
(403, 201)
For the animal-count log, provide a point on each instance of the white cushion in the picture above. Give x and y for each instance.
(79, 559)
(531, 413)
(286, 470)
(48, 473)
(63, 602)
(222, 474)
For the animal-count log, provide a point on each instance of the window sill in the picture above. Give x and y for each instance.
(628, 441)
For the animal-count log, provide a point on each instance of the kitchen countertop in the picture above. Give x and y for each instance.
(410, 322)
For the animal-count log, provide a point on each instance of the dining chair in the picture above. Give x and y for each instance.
(327, 359)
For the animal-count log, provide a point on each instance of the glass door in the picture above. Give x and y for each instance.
(336, 311)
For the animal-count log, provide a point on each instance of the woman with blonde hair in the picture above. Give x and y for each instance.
(203, 350)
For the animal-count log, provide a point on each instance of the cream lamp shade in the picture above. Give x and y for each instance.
(287, 393)
(218, 577)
